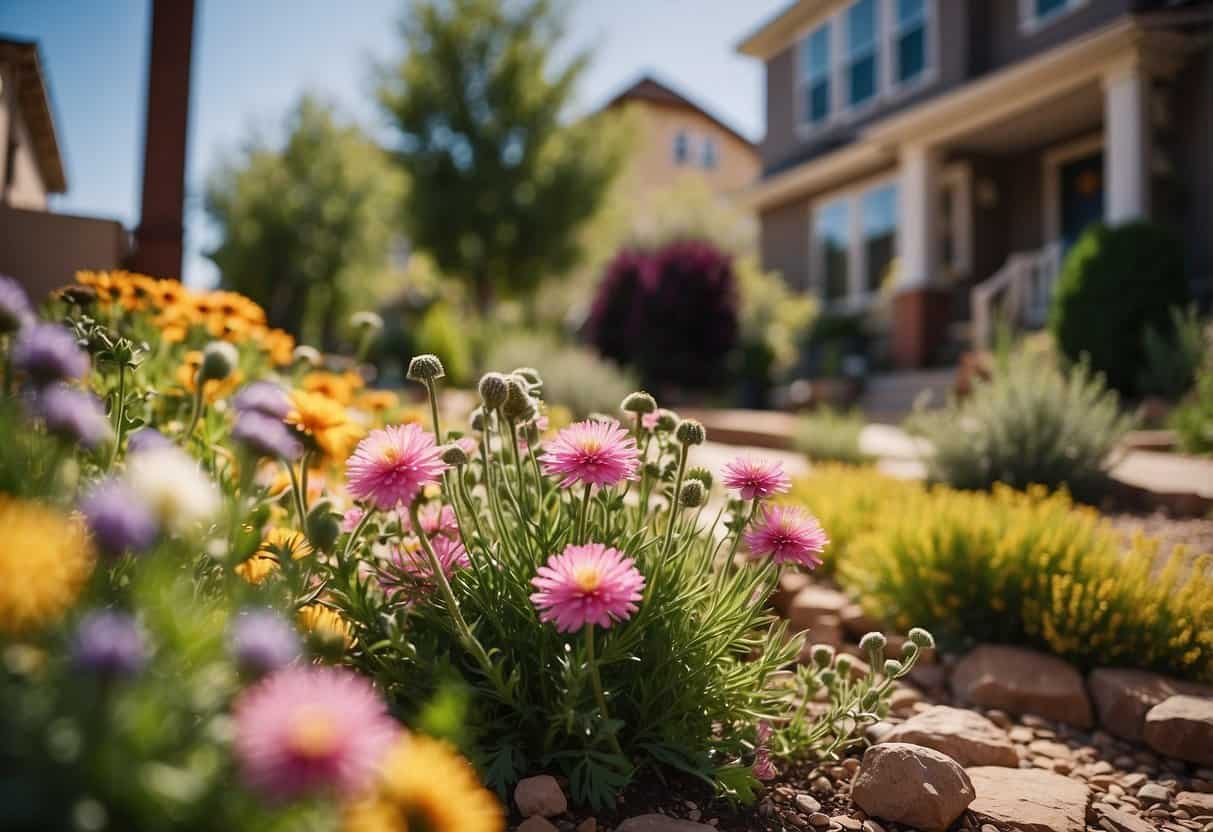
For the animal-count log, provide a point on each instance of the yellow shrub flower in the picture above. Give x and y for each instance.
(213, 390)
(326, 624)
(336, 386)
(326, 422)
(279, 542)
(377, 401)
(45, 560)
(425, 786)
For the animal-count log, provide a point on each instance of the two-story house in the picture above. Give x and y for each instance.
(947, 152)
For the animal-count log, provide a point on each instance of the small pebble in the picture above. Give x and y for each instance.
(807, 804)
(819, 819)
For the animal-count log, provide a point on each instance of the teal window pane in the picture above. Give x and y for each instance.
(862, 76)
(819, 52)
(911, 54)
(832, 232)
(861, 26)
(1047, 7)
(818, 105)
(878, 220)
(909, 12)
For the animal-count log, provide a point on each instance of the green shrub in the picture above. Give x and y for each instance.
(441, 333)
(1030, 423)
(1035, 570)
(1114, 284)
(1171, 363)
(573, 376)
(830, 436)
(1193, 419)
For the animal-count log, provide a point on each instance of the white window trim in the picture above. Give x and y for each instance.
(1030, 23)
(683, 137)
(1054, 160)
(887, 87)
(959, 177)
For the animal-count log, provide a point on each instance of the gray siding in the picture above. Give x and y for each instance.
(1194, 158)
(784, 241)
(1000, 41)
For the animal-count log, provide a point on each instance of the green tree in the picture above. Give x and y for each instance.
(307, 227)
(500, 182)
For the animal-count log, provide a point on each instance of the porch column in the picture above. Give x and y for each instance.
(1127, 151)
(919, 309)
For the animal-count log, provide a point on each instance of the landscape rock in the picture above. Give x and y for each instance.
(537, 823)
(813, 604)
(790, 585)
(1122, 697)
(1196, 803)
(856, 622)
(1022, 681)
(1028, 800)
(662, 823)
(1182, 727)
(911, 784)
(541, 796)
(1118, 820)
(967, 737)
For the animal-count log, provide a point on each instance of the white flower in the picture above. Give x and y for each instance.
(174, 488)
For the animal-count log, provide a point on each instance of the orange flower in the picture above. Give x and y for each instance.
(336, 387)
(325, 422)
(280, 345)
(378, 401)
(279, 542)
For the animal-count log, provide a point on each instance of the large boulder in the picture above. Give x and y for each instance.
(1182, 727)
(911, 784)
(1122, 697)
(814, 603)
(1022, 681)
(966, 736)
(1028, 800)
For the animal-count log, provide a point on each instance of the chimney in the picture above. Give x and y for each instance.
(159, 239)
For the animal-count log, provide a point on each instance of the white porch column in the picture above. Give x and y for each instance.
(918, 217)
(1127, 151)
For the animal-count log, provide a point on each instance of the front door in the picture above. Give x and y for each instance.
(1081, 183)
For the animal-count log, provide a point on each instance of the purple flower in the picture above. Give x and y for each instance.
(119, 520)
(73, 415)
(110, 644)
(263, 397)
(146, 439)
(15, 311)
(48, 353)
(261, 642)
(266, 436)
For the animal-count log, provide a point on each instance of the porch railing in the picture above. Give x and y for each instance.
(1018, 294)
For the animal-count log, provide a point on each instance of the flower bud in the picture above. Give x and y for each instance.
(425, 368)
(892, 667)
(307, 355)
(690, 432)
(639, 402)
(873, 641)
(219, 359)
(921, 637)
(493, 390)
(823, 654)
(667, 420)
(909, 651)
(693, 494)
(843, 664)
(530, 375)
(323, 526)
(703, 475)
(454, 456)
(518, 406)
(477, 419)
(828, 677)
(366, 322)
(870, 699)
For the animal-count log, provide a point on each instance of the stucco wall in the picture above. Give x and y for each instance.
(26, 189)
(784, 242)
(653, 166)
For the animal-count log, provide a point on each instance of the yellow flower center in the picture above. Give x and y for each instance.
(311, 733)
(587, 578)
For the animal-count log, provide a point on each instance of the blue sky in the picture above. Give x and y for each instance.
(253, 58)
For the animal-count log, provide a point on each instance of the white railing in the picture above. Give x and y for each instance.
(1018, 294)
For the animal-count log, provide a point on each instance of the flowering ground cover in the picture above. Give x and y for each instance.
(239, 589)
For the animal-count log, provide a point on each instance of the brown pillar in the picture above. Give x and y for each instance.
(159, 239)
(920, 326)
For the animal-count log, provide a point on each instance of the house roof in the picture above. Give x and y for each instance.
(648, 88)
(773, 33)
(34, 100)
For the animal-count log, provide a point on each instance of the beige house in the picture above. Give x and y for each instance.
(678, 138)
(41, 249)
(942, 155)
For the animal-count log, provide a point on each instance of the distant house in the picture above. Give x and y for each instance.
(678, 137)
(39, 248)
(945, 153)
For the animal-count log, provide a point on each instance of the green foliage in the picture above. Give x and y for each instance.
(1114, 284)
(830, 436)
(1033, 569)
(1030, 423)
(1172, 363)
(772, 315)
(500, 183)
(573, 376)
(1193, 419)
(442, 333)
(306, 227)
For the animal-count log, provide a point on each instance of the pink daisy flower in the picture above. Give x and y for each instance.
(390, 466)
(590, 584)
(351, 518)
(408, 569)
(308, 730)
(591, 453)
(754, 479)
(788, 534)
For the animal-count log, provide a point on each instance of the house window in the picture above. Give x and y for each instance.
(815, 75)
(878, 224)
(1035, 14)
(910, 40)
(711, 156)
(863, 55)
(832, 234)
(682, 147)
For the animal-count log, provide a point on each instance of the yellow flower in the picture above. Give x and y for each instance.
(378, 401)
(425, 786)
(278, 542)
(213, 390)
(280, 345)
(326, 624)
(45, 559)
(336, 387)
(326, 422)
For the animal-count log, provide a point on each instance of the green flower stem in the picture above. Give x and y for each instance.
(432, 394)
(304, 465)
(348, 549)
(592, 663)
(196, 410)
(669, 526)
(119, 415)
(581, 513)
(300, 509)
(737, 537)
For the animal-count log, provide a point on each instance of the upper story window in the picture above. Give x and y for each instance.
(815, 75)
(910, 41)
(682, 147)
(863, 51)
(711, 156)
(1035, 14)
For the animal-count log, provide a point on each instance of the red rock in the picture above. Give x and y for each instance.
(1195, 803)
(911, 784)
(967, 737)
(540, 795)
(662, 823)
(1118, 820)
(790, 585)
(813, 603)
(1028, 800)
(536, 823)
(1123, 696)
(1182, 727)
(1022, 681)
